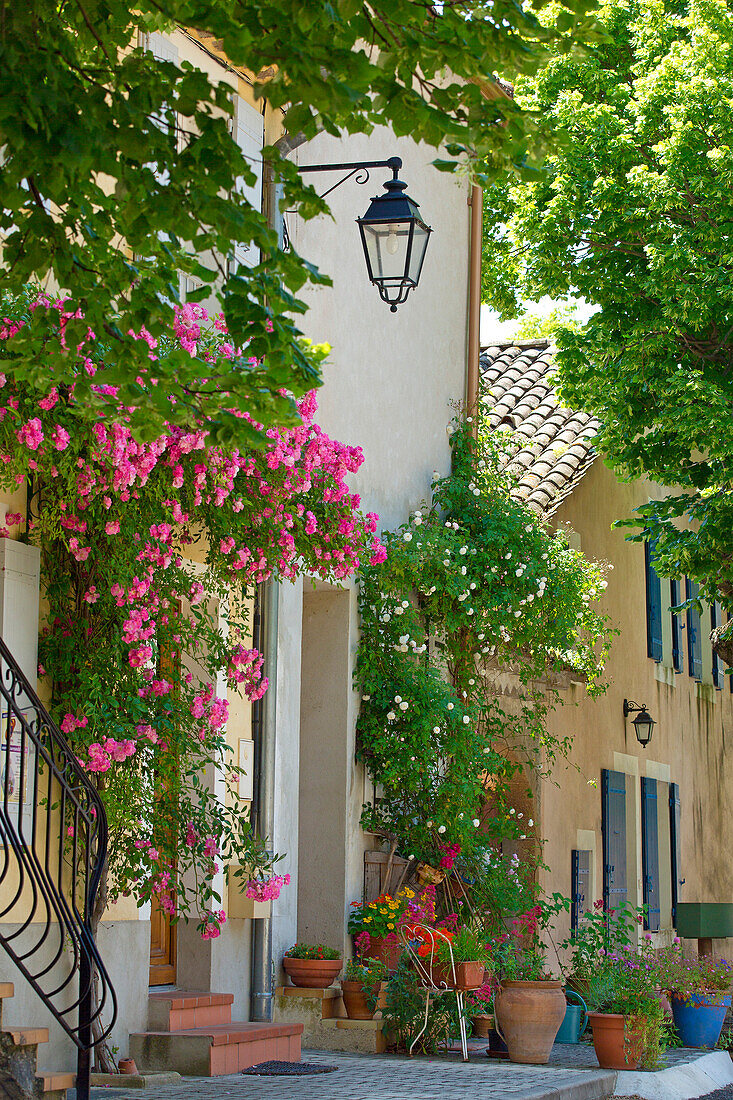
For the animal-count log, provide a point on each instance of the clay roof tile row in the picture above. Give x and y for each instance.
(518, 393)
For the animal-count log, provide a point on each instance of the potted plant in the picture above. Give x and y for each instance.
(699, 991)
(361, 986)
(625, 1015)
(600, 932)
(462, 956)
(375, 925)
(312, 966)
(530, 1005)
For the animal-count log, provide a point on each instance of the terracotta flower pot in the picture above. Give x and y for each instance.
(387, 949)
(127, 1065)
(482, 1025)
(356, 1000)
(312, 973)
(529, 1015)
(617, 1045)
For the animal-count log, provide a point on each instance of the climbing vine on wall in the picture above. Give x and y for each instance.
(475, 592)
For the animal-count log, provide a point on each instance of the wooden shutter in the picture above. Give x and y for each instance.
(653, 607)
(650, 852)
(715, 620)
(675, 844)
(248, 130)
(613, 805)
(676, 598)
(579, 885)
(694, 642)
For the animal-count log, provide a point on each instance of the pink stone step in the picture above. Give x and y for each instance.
(182, 1009)
(217, 1049)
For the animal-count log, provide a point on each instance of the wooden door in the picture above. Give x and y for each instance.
(162, 946)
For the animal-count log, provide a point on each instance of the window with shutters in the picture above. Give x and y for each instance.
(653, 606)
(248, 130)
(613, 805)
(715, 620)
(650, 853)
(580, 886)
(676, 598)
(675, 847)
(694, 640)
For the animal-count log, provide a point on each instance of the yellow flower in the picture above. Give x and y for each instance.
(367, 920)
(372, 905)
(409, 893)
(383, 911)
(390, 925)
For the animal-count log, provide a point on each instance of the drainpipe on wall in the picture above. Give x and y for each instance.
(476, 202)
(261, 985)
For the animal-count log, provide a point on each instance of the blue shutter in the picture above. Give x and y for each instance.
(675, 844)
(715, 620)
(650, 852)
(676, 598)
(653, 607)
(694, 641)
(579, 886)
(613, 805)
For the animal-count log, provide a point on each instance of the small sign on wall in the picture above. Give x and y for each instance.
(246, 762)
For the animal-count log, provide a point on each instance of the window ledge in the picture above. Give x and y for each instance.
(706, 692)
(665, 675)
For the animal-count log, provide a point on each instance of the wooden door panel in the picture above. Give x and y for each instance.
(162, 946)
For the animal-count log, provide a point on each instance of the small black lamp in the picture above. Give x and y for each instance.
(395, 239)
(643, 723)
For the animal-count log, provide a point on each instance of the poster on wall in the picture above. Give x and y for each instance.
(14, 766)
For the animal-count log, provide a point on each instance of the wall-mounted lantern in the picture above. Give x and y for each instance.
(643, 723)
(393, 235)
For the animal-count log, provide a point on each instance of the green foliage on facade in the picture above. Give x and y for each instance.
(633, 213)
(475, 594)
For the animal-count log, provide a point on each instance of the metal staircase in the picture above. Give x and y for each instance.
(53, 844)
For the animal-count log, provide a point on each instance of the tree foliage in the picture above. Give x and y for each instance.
(633, 213)
(119, 171)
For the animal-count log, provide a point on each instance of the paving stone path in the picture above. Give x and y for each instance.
(572, 1074)
(388, 1077)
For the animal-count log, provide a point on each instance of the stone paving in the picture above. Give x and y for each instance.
(572, 1074)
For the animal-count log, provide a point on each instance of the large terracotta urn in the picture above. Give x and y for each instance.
(529, 1015)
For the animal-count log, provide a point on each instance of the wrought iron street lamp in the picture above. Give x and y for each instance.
(393, 235)
(643, 723)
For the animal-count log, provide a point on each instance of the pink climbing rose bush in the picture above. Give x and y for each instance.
(151, 551)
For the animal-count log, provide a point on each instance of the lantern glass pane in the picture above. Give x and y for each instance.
(386, 247)
(417, 253)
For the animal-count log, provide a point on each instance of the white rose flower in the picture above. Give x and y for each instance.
(407, 536)
(436, 729)
(441, 828)
(472, 681)
(530, 822)
(476, 822)
(404, 706)
(466, 719)
(391, 716)
(463, 550)
(398, 698)
(450, 706)
(366, 698)
(512, 811)
(399, 611)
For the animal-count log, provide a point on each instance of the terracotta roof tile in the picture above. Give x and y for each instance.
(555, 449)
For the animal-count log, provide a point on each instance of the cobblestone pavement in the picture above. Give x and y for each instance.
(389, 1077)
(572, 1074)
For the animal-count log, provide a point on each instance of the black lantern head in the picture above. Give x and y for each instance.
(395, 239)
(643, 723)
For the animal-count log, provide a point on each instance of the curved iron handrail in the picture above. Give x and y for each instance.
(53, 845)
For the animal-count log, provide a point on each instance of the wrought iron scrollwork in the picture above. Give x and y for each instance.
(53, 846)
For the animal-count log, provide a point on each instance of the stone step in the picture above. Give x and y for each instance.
(26, 1036)
(215, 1050)
(54, 1085)
(182, 1009)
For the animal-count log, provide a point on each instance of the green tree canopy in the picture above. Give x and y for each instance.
(105, 146)
(634, 213)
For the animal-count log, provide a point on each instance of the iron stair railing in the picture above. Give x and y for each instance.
(53, 845)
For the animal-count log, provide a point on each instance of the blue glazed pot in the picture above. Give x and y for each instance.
(699, 1017)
